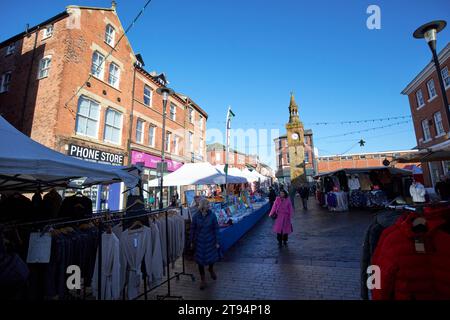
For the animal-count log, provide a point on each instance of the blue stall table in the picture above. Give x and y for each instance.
(230, 235)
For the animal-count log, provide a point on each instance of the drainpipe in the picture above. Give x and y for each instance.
(130, 131)
(27, 85)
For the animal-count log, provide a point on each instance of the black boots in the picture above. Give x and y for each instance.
(282, 239)
(202, 282)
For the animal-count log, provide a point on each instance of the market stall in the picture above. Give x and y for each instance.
(26, 165)
(371, 187)
(243, 209)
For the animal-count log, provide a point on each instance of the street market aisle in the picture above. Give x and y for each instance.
(320, 262)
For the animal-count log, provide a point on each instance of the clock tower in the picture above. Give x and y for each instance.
(296, 145)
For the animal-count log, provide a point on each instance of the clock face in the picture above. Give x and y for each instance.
(295, 136)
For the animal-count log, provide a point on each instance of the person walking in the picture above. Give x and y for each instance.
(282, 212)
(272, 197)
(205, 240)
(442, 188)
(304, 194)
(292, 194)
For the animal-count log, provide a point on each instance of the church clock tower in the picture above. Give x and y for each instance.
(296, 145)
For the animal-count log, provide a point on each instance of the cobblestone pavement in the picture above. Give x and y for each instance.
(320, 262)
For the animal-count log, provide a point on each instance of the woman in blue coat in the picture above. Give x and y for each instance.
(205, 240)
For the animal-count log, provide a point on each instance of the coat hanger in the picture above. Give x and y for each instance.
(137, 201)
(136, 225)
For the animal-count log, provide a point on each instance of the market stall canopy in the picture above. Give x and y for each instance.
(428, 156)
(392, 170)
(235, 173)
(26, 165)
(201, 173)
(254, 175)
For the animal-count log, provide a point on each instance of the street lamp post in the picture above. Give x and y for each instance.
(429, 31)
(165, 92)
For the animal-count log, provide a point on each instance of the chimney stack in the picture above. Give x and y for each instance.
(113, 5)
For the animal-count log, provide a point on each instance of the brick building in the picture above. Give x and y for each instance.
(70, 85)
(430, 120)
(360, 160)
(216, 155)
(283, 161)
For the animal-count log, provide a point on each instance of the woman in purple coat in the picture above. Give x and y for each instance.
(282, 211)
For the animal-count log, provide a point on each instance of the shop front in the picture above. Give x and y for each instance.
(106, 197)
(150, 172)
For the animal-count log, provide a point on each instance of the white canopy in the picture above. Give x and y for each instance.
(201, 173)
(25, 165)
(251, 176)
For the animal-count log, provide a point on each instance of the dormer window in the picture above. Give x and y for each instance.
(11, 48)
(48, 31)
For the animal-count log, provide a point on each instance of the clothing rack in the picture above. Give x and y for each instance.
(117, 216)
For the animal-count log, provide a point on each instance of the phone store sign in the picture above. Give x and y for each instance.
(95, 155)
(151, 161)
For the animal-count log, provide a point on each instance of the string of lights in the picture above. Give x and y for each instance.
(263, 123)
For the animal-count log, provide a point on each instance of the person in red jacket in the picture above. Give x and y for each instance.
(414, 258)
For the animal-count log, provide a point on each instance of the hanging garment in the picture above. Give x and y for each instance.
(343, 181)
(328, 184)
(135, 247)
(373, 233)
(353, 183)
(414, 264)
(111, 270)
(76, 207)
(52, 203)
(365, 182)
(357, 199)
(331, 200)
(342, 201)
(377, 198)
(157, 266)
(163, 231)
(336, 182)
(181, 235)
(418, 192)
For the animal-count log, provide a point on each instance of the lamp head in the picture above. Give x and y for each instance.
(429, 31)
(165, 92)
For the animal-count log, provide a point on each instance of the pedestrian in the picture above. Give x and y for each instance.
(442, 188)
(304, 194)
(282, 212)
(205, 240)
(292, 194)
(272, 197)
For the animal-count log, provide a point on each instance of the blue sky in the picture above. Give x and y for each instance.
(251, 54)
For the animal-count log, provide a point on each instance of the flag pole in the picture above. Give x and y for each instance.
(230, 114)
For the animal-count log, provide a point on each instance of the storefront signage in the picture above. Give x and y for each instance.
(95, 155)
(151, 161)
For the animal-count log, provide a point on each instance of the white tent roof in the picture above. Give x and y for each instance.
(25, 164)
(251, 176)
(201, 173)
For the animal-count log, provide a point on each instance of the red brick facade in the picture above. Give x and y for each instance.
(216, 155)
(428, 113)
(360, 160)
(46, 107)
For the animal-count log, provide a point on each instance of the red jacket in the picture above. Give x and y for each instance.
(407, 273)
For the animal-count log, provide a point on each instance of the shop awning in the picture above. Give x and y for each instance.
(427, 156)
(201, 173)
(26, 165)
